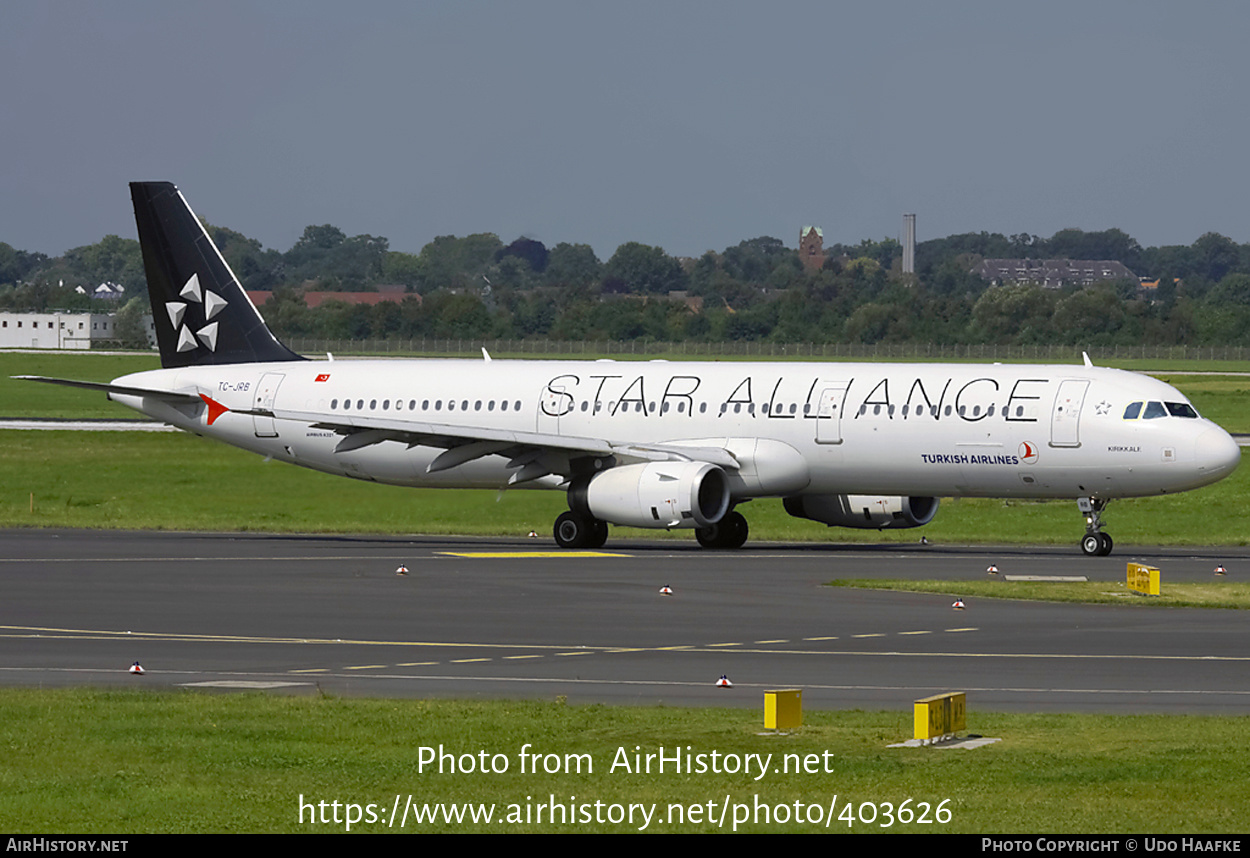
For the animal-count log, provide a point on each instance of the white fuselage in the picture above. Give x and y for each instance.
(937, 430)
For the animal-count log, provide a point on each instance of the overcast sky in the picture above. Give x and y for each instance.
(691, 126)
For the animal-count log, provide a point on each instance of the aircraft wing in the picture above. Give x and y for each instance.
(532, 454)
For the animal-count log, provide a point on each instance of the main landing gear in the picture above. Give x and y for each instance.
(1094, 543)
(729, 532)
(574, 530)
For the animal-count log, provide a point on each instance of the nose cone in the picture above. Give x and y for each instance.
(1216, 454)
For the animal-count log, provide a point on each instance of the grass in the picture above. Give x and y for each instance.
(122, 762)
(129, 762)
(175, 481)
(1219, 594)
(30, 399)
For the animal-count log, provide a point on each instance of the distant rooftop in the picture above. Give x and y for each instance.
(1053, 273)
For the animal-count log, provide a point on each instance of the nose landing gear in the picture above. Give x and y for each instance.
(1094, 543)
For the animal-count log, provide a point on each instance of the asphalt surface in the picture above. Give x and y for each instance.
(304, 614)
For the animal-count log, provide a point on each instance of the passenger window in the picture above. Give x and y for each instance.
(1133, 411)
(1153, 410)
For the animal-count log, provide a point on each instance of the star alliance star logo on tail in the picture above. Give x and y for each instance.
(212, 304)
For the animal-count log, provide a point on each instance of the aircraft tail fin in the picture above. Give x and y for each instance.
(201, 313)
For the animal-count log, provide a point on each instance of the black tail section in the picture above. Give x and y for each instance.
(201, 313)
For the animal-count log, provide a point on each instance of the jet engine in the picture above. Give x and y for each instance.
(656, 494)
(864, 511)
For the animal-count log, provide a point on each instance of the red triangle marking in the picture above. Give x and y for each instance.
(215, 409)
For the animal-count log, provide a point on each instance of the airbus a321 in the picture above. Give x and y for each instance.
(658, 444)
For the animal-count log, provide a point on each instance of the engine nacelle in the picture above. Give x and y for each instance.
(657, 494)
(864, 511)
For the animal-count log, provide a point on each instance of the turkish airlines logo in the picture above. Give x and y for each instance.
(1028, 452)
(325, 376)
(209, 301)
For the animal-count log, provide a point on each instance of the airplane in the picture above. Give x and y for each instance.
(657, 444)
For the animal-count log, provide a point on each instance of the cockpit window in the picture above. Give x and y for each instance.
(1153, 410)
(1133, 411)
(1181, 409)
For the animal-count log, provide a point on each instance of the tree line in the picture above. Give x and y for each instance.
(477, 287)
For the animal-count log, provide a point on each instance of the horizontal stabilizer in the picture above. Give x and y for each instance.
(106, 387)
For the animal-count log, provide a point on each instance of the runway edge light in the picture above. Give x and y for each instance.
(783, 709)
(137, 669)
(724, 682)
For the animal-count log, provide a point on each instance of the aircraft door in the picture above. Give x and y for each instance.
(554, 404)
(829, 412)
(266, 391)
(1065, 419)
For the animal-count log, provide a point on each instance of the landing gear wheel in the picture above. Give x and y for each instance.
(1097, 544)
(598, 534)
(579, 531)
(1094, 543)
(730, 532)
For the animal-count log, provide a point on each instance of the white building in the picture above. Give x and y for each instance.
(59, 330)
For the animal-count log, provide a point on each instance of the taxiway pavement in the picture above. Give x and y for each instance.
(517, 618)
